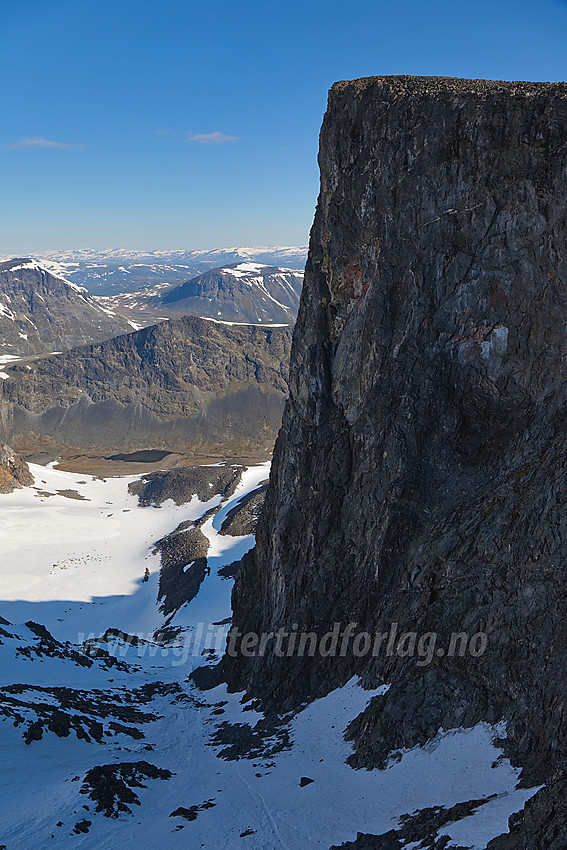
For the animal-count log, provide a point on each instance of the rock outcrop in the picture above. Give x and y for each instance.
(187, 385)
(14, 471)
(180, 485)
(420, 475)
(242, 519)
(41, 312)
(183, 566)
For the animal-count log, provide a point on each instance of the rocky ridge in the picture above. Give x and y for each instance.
(186, 385)
(420, 474)
(41, 312)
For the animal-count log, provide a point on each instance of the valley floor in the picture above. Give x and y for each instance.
(122, 750)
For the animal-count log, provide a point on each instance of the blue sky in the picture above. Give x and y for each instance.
(129, 93)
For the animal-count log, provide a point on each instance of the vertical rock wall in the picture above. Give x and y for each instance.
(419, 476)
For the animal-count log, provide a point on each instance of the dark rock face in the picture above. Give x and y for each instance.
(14, 471)
(41, 313)
(186, 385)
(243, 292)
(419, 477)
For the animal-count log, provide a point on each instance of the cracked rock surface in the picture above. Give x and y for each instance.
(420, 474)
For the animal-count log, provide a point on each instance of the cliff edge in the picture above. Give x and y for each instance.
(419, 477)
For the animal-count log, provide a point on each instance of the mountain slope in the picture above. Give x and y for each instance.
(185, 385)
(244, 292)
(420, 476)
(41, 312)
(107, 742)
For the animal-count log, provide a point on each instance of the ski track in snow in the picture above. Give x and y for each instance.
(77, 567)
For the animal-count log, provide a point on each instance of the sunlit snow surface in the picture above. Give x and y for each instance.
(77, 566)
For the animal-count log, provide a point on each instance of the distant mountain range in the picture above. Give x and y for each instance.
(41, 312)
(211, 383)
(44, 308)
(107, 272)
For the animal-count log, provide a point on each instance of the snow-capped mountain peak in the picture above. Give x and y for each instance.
(47, 266)
(243, 292)
(42, 311)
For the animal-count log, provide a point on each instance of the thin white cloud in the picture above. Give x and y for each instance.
(39, 142)
(216, 138)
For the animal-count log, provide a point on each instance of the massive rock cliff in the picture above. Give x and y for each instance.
(186, 385)
(420, 474)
